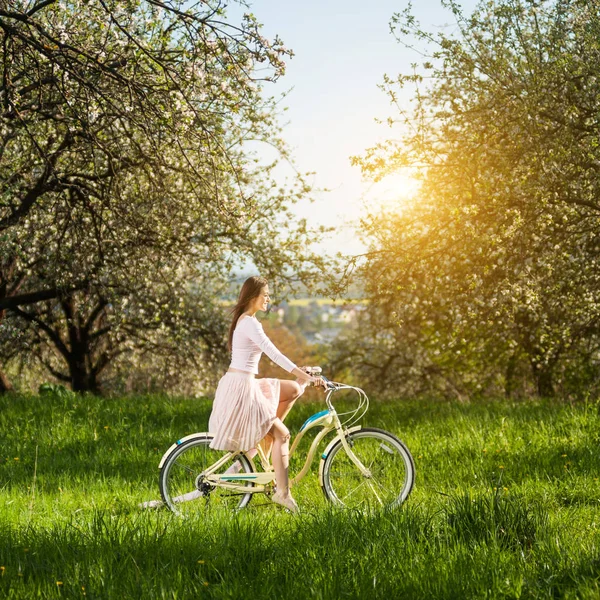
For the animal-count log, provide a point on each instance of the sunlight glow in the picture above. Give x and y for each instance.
(393, 193)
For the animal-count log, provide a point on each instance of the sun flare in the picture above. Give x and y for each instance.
(393, 193)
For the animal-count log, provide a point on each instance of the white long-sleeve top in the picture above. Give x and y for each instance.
(249, 342)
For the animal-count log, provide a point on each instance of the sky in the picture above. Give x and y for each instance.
(342, 50)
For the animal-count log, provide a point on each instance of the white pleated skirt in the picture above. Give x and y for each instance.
(243, 411)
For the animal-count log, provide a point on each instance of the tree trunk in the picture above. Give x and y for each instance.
(82, 378)
(544, 376)
(5, 384)
(509, 378)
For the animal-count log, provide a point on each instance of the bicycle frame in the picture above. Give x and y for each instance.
(327, 419)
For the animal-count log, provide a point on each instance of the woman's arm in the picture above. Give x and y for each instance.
(256, 333)
(303, 377)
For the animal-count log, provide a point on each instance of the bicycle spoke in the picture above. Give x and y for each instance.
(373, 480)
(184, 469)
(354, 490)
(376, 494)
(389, 465)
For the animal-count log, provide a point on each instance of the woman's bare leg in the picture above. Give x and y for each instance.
(267, 445)
(281, 456)
(289, 392)
(236, 467)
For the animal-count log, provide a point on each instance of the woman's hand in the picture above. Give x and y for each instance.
(305, 377)
(319, 382)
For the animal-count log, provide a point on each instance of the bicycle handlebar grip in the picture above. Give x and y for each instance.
(328, 383)
(314, 371)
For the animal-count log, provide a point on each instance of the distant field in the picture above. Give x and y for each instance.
(506, 505)
(307, 301)
(324, 302)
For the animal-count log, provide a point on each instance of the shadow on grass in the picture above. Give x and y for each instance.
(552, 463)
(472, 547)
(511, 522)
(217, 555)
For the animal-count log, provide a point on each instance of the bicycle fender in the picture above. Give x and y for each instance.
(331, 444)
(178, 443)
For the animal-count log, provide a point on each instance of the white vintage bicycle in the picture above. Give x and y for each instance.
(360, 467)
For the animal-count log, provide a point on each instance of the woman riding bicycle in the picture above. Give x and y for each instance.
(245, 409)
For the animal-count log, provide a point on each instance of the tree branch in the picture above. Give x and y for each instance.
(53, 335)
(12, 302)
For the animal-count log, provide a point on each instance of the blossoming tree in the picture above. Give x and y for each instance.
(489, 279)
(130, 179)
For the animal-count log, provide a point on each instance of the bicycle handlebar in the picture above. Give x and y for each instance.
(333, 386)
(330, 384)
(318, 372)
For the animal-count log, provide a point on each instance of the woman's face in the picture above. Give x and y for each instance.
(261, 302)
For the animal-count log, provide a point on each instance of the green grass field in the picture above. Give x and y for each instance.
(506, 505)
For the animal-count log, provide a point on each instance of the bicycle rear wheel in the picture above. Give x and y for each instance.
(390, 464)
(183, 486)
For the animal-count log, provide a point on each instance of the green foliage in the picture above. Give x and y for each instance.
(506, 505)
(131, 184)
(54, 389)
(488, 280)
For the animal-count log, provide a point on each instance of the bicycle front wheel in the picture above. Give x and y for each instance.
(391, 471)
(183, 486)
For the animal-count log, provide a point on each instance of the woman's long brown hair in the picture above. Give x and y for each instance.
(250, 290)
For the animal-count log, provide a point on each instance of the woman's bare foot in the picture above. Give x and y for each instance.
(286, 501)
